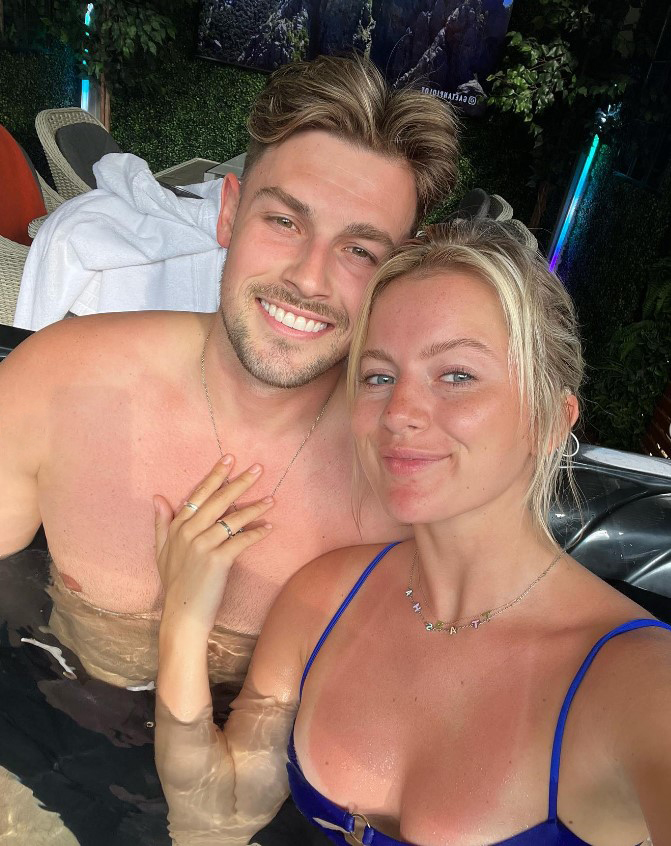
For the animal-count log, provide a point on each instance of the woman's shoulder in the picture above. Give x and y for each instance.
(331, 576)
(630, 675)
(314, 593)
(631, 660)
(306, 604)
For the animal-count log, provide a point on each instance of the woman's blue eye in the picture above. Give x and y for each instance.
(456, 377)
(379, 379)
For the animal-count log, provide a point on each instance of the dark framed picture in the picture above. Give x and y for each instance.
(447, 47)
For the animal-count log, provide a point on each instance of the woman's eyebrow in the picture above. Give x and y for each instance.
(446, 346)
(433, 350)
(378, 355)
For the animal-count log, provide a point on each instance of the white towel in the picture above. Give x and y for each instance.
(127, 245)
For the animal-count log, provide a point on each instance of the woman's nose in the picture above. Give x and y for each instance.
(406, 409)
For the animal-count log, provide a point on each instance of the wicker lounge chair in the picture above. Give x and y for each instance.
(47, 123)
(13, 257)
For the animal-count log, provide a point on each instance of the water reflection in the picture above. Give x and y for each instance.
(71, 730)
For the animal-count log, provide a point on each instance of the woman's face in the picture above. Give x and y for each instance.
(437, 417)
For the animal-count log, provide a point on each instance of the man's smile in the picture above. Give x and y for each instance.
(301, 323)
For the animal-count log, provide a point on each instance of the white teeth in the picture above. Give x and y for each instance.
(292, 320)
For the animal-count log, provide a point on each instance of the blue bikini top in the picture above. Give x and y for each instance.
(315, 806)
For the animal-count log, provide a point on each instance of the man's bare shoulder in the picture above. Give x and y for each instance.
(97, 345)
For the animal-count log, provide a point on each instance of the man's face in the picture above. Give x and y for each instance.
(315, 217)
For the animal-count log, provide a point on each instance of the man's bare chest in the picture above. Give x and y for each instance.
(96, 501)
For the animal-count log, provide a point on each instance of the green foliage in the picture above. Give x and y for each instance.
(47, 81)
(637, 367)
(572, 59)
(203, 115)
(122, 44)
(225, 29)
(532, 86)
(482, 164)
(121, 47)
(298, 38)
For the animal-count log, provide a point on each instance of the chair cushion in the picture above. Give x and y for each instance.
(22, 199)
(83, 144)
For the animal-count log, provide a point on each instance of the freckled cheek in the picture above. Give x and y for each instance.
(472, 422)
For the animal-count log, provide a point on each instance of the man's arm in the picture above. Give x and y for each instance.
(21, 391)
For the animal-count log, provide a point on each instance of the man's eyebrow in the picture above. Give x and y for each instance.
(446, 346)
(291, 202)
(356, 230)
(369, 233)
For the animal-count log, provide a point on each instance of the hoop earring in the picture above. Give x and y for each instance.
(575, 451)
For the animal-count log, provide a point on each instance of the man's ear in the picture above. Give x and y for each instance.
(230, 199)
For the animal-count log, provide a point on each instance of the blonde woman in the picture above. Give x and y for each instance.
(428, 692)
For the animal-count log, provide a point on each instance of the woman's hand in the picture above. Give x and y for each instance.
(196, 550)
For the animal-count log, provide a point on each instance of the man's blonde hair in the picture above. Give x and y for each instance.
(544, 351)
(349, 98)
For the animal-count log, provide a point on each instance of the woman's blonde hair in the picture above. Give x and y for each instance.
(349, 98)
(544, 352)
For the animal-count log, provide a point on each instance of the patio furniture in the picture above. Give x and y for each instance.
(235, 165)
(73, 140)
(25, 195)
(13, 257)
(190, 172)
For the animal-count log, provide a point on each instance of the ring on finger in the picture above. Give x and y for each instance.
(226, 526)
(192, 506)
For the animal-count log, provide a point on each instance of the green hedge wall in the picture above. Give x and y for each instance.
(30, 82)
(202, 114)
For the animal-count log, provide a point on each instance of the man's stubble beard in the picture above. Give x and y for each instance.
(274, 373)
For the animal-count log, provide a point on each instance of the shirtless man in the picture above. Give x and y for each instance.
(101, 413)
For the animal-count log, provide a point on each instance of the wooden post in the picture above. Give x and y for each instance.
(657, 438)
(104, 103)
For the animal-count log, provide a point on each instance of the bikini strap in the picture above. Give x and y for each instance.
(346, 601)
(563, 714)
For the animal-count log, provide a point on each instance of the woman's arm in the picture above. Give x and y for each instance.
(221, 785)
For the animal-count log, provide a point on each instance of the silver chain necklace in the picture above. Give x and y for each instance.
(484, 617)
(216, 433)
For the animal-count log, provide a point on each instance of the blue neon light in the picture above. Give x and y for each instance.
(85, 82)
(573, 206)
